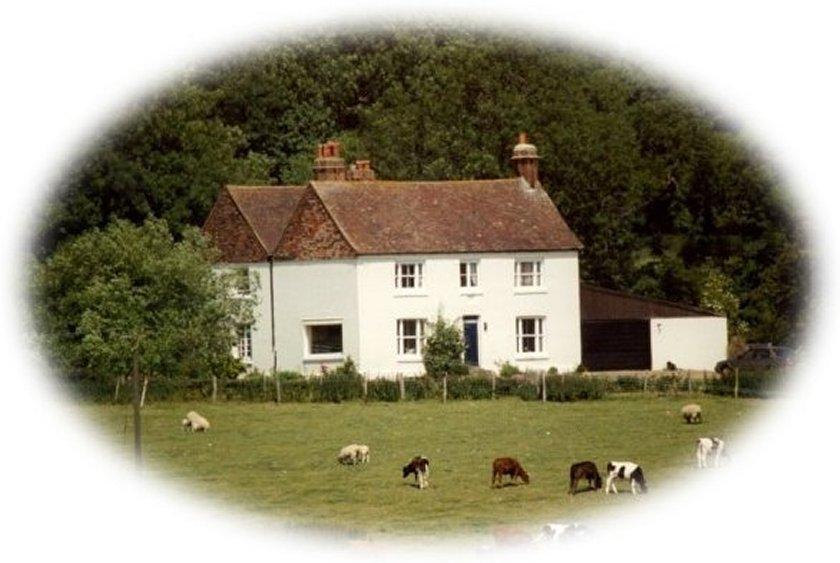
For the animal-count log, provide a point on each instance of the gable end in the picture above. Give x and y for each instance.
(312, 234)
(231, 233)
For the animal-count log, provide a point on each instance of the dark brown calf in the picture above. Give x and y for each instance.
(508, 466)
(584, 470)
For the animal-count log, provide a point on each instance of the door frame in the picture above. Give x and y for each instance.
(473, 320)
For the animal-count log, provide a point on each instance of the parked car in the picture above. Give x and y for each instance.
(757, 357)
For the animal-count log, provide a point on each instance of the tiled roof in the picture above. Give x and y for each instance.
(383, 217)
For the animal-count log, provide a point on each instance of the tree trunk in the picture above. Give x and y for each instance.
(135, 381)
(277, 397)
(215, 388)
(402, 387)
(364, 387)
(117, 389)
(737, 382)
(445, 377)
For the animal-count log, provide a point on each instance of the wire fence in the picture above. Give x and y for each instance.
(335, 388)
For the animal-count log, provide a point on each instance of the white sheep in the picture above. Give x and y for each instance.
(692, 413)
(195, 422)
(353, 454)
(707, 447)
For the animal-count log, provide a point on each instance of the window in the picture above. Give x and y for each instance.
(529, 335)
(410, 335)
(244, 348)
(408, 274)
(324, 339)
(528, 273)
(469, 274)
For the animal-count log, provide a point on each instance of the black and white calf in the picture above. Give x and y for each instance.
(709, 447)
(419, 466)
(625, 470)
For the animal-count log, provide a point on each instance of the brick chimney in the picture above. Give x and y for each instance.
(361, 171)
(328, 163)
(526, 160)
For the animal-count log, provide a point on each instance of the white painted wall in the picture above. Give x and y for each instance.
(311, 292)
(689, 342)
(495, 301)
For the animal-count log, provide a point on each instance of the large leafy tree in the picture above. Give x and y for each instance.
(131, 295)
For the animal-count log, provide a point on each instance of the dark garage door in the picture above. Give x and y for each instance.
(619, 344)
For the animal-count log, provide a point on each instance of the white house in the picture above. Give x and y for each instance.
(351, 266)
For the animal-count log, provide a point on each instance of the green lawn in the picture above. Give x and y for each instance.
(281, 460)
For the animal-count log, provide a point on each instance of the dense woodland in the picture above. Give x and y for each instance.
(665, 195)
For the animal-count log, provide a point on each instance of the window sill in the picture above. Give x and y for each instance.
(409, 359)
(529, 290)
(417, 293)
(471, 292)
(314, 358)
(529, 357)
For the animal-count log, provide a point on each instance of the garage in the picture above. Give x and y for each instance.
(624, 332)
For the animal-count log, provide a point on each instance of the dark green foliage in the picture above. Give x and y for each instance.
(627, 383)
(469, 388)
(417, 388)
(341, 384)
(508, 370)
(443, 351)
(666, 197)
(383, 390)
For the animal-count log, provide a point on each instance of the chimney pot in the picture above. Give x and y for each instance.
(526, 160)
(328, 163)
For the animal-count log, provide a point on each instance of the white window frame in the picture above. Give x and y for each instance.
(245, 343)
(419, 336)
(307, 340)
(402, 277)
(468, 274)
(538, 335)
(535, 274)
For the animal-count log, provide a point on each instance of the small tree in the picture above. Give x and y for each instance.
(130, 299)
(443, 352)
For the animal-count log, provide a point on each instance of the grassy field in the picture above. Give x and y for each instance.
(281, 460)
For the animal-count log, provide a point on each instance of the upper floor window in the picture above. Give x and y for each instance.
(410, 335)
(469, 274)
(528, 273)
(408, 274)
(529, 334)
(244, 344)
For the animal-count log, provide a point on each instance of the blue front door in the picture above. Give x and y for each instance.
(471, 340)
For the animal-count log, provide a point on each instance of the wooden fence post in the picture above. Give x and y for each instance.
(143, 395)
(364, 387)
(737, 381)
(215, 388)
(445, 376)
(689, 382)
(644, 384)
(401, 382)
(277, 396)
(544, 394)
(493, 383)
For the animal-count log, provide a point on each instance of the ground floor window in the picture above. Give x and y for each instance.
(529, 334)
(324, 339)
(410, 335)
(244, 344)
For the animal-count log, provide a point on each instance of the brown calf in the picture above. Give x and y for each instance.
(585, 470)
(508, 466)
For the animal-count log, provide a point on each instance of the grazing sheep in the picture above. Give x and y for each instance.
(707, 447)
(625, 470)
(584, 470)
(508, 466)
(195, 422)
(692, 413)
(353, 454)
(419, 466)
